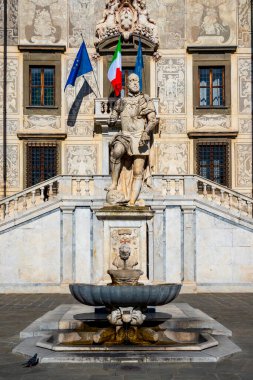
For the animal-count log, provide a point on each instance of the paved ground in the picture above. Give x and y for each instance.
(235, 311)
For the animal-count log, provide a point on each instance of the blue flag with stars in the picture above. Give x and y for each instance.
(139, 65)
(81, 65)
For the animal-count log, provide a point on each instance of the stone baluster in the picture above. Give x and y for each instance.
(50, 193)
(42, 193)
(24, 202)
(16, 205)
(78, 186)
(239, 201)
(87, 187)
(249, 208)
(168, 187)
(7, 209)
(222, 197)
(177, 186)
(213, 193)
(204, 189)
(33, 197)
(2, 212)
(230, 203)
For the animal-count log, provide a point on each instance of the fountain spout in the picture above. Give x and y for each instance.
(127, 275)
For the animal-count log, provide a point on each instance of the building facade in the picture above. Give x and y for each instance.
(199, 69)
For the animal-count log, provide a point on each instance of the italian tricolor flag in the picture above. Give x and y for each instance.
(115, 70)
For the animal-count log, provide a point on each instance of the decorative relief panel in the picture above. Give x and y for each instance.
(12, 86)
(172, 158)
(170, 18)
(244, 23)
(80, 99)
(245, 125)
(171, 85)
(244, 74)
(243, 164)
(43, 22)
(12, 127)
(82, 128)
(129, 236)
(12, 22)
(39, 122)
(211, 22)
(81, 159)
(212, 122)
(12, 165)
(83, 17)
(172, 126)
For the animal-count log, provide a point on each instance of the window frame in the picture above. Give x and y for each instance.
(41, 143)
(211, 87)
(42, 58)
(215, 141)
(42, 86)
(212, 60)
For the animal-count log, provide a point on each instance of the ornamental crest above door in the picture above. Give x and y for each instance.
(126, 17)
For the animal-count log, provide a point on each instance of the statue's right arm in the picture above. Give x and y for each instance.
(115, 113)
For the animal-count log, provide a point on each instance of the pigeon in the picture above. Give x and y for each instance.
(32, 361)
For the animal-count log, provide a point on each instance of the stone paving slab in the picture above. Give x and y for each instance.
(232, 310)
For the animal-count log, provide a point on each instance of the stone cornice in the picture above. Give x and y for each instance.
(211, 49)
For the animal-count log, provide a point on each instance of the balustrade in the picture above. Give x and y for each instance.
(91, 187)
(28, 199)
(225, 197)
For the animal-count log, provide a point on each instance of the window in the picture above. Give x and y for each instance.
(42, 86)
(212, 86)
(126, 71)
(211, 80)
(212, 161)
(42, 162)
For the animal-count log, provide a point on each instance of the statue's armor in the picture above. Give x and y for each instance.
(133, 111)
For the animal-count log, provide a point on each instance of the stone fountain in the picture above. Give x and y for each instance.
(129, 317)
(126, 304)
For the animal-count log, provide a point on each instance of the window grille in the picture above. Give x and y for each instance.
(213, 161)
(42, 162)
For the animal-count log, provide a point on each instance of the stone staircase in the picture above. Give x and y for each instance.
(170, 188)
(198, 233)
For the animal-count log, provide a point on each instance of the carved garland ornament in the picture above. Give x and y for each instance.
(126, 17)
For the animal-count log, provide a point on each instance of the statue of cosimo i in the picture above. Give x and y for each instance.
(130, 149)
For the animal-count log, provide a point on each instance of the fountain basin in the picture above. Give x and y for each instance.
(125, 296)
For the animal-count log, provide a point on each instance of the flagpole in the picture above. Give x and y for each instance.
(93, 73)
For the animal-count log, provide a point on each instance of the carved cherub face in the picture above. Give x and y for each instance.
(133, 84)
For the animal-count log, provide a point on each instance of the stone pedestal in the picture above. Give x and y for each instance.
(116, 225)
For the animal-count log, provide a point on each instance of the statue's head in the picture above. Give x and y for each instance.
(133, 84)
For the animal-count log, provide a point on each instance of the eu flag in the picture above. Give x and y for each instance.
(139, 65)
(81, 65)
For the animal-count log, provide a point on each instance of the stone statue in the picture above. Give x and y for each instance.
(130, 149)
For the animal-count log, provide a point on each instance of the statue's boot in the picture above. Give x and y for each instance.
(116, 168)
(135, 190)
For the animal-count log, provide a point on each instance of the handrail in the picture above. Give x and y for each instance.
(89, 187)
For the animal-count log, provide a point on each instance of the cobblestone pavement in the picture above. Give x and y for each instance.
(234, 311)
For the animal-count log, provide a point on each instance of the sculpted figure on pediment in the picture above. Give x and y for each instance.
(107, 26)
(126, 17)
